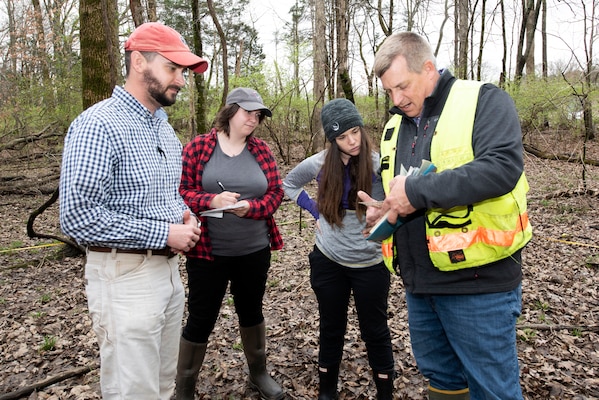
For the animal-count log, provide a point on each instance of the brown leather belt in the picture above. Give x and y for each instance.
(155, 252)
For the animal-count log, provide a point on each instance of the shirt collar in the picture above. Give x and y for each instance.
(131, 102)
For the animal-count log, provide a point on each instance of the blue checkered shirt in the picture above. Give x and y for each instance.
(119, 182)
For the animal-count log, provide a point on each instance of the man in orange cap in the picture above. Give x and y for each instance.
(119, 197)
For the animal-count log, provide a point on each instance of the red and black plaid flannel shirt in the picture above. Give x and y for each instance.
(195, 156)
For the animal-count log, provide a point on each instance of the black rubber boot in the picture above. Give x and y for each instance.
(438, 394)
(328, 377)
(191, 357)
(254, 347)
(384, 384)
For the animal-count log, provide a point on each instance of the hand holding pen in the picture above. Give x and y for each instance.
(224, 198)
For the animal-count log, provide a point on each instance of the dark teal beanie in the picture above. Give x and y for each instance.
(339, 115)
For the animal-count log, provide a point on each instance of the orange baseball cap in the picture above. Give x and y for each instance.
(154, 36)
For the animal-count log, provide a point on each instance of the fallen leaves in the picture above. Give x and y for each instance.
(558, 341)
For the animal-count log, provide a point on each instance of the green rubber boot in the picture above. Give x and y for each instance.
(254, 347)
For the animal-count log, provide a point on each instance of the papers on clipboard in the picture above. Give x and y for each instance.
(383, 228)
(218, 212)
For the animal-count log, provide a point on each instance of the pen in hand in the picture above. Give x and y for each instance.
(225, 198)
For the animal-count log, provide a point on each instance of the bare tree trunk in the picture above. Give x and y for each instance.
(279, 79)
(343, 77)
(223, 42)
(331, 66)
(479, 58)
(461, 30)
(41, 54)
(530, 40)
(589, 40)
(191, 123)
(238, 59)
(411, 10)
(387, 28)
(386, 24)
(456, 40)
(445, 19)
(201, 125)
(296, 17)
(152, 12)
(544, 72)
(587, 115)
(525, 40)
(137, 12)
(503, 75)
(99, 49)
(320, 58)
(368, 72)
(12, 36)
(544, 39)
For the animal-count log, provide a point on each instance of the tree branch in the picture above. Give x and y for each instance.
(34, 214)
(571, 158)
(20, 142)
(545, 327)
(48, 381)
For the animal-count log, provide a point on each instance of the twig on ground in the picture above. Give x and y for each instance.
(48, 381)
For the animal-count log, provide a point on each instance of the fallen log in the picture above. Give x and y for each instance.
(571, 158)
(20, 142)
(27, 390)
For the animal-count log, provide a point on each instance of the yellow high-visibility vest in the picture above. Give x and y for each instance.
(388, 148)
(471, 235)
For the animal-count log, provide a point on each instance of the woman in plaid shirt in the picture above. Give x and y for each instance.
(230, 167)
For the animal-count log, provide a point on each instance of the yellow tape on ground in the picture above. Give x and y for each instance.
(39, 246)
(570, 242)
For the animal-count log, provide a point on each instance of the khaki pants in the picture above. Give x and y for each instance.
(136, 305)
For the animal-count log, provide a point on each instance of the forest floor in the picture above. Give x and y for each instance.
(45, 330)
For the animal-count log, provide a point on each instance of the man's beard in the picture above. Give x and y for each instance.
(157, 91)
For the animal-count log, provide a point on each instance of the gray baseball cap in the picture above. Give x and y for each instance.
(248, 99)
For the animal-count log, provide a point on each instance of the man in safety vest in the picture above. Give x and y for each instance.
(458, 248)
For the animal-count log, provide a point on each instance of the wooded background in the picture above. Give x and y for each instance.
(60, 56)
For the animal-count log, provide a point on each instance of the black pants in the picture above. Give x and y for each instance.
(333, 284)
(208, 281)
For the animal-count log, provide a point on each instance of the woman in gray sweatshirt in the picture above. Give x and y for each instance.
(342, 260)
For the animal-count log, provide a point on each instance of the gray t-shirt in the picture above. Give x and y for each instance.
(232, 235)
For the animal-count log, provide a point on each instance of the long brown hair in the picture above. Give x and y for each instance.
(330, 188)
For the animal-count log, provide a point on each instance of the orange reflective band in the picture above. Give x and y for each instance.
(387, 248)
(462, 240)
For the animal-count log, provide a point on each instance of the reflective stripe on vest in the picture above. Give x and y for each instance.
(388, 146)
(465, 236)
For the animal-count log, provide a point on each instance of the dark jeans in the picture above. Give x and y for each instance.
(333, 284)
(468, 341)
(208, 281)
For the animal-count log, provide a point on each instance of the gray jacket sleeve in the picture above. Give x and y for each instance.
(302, 174)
